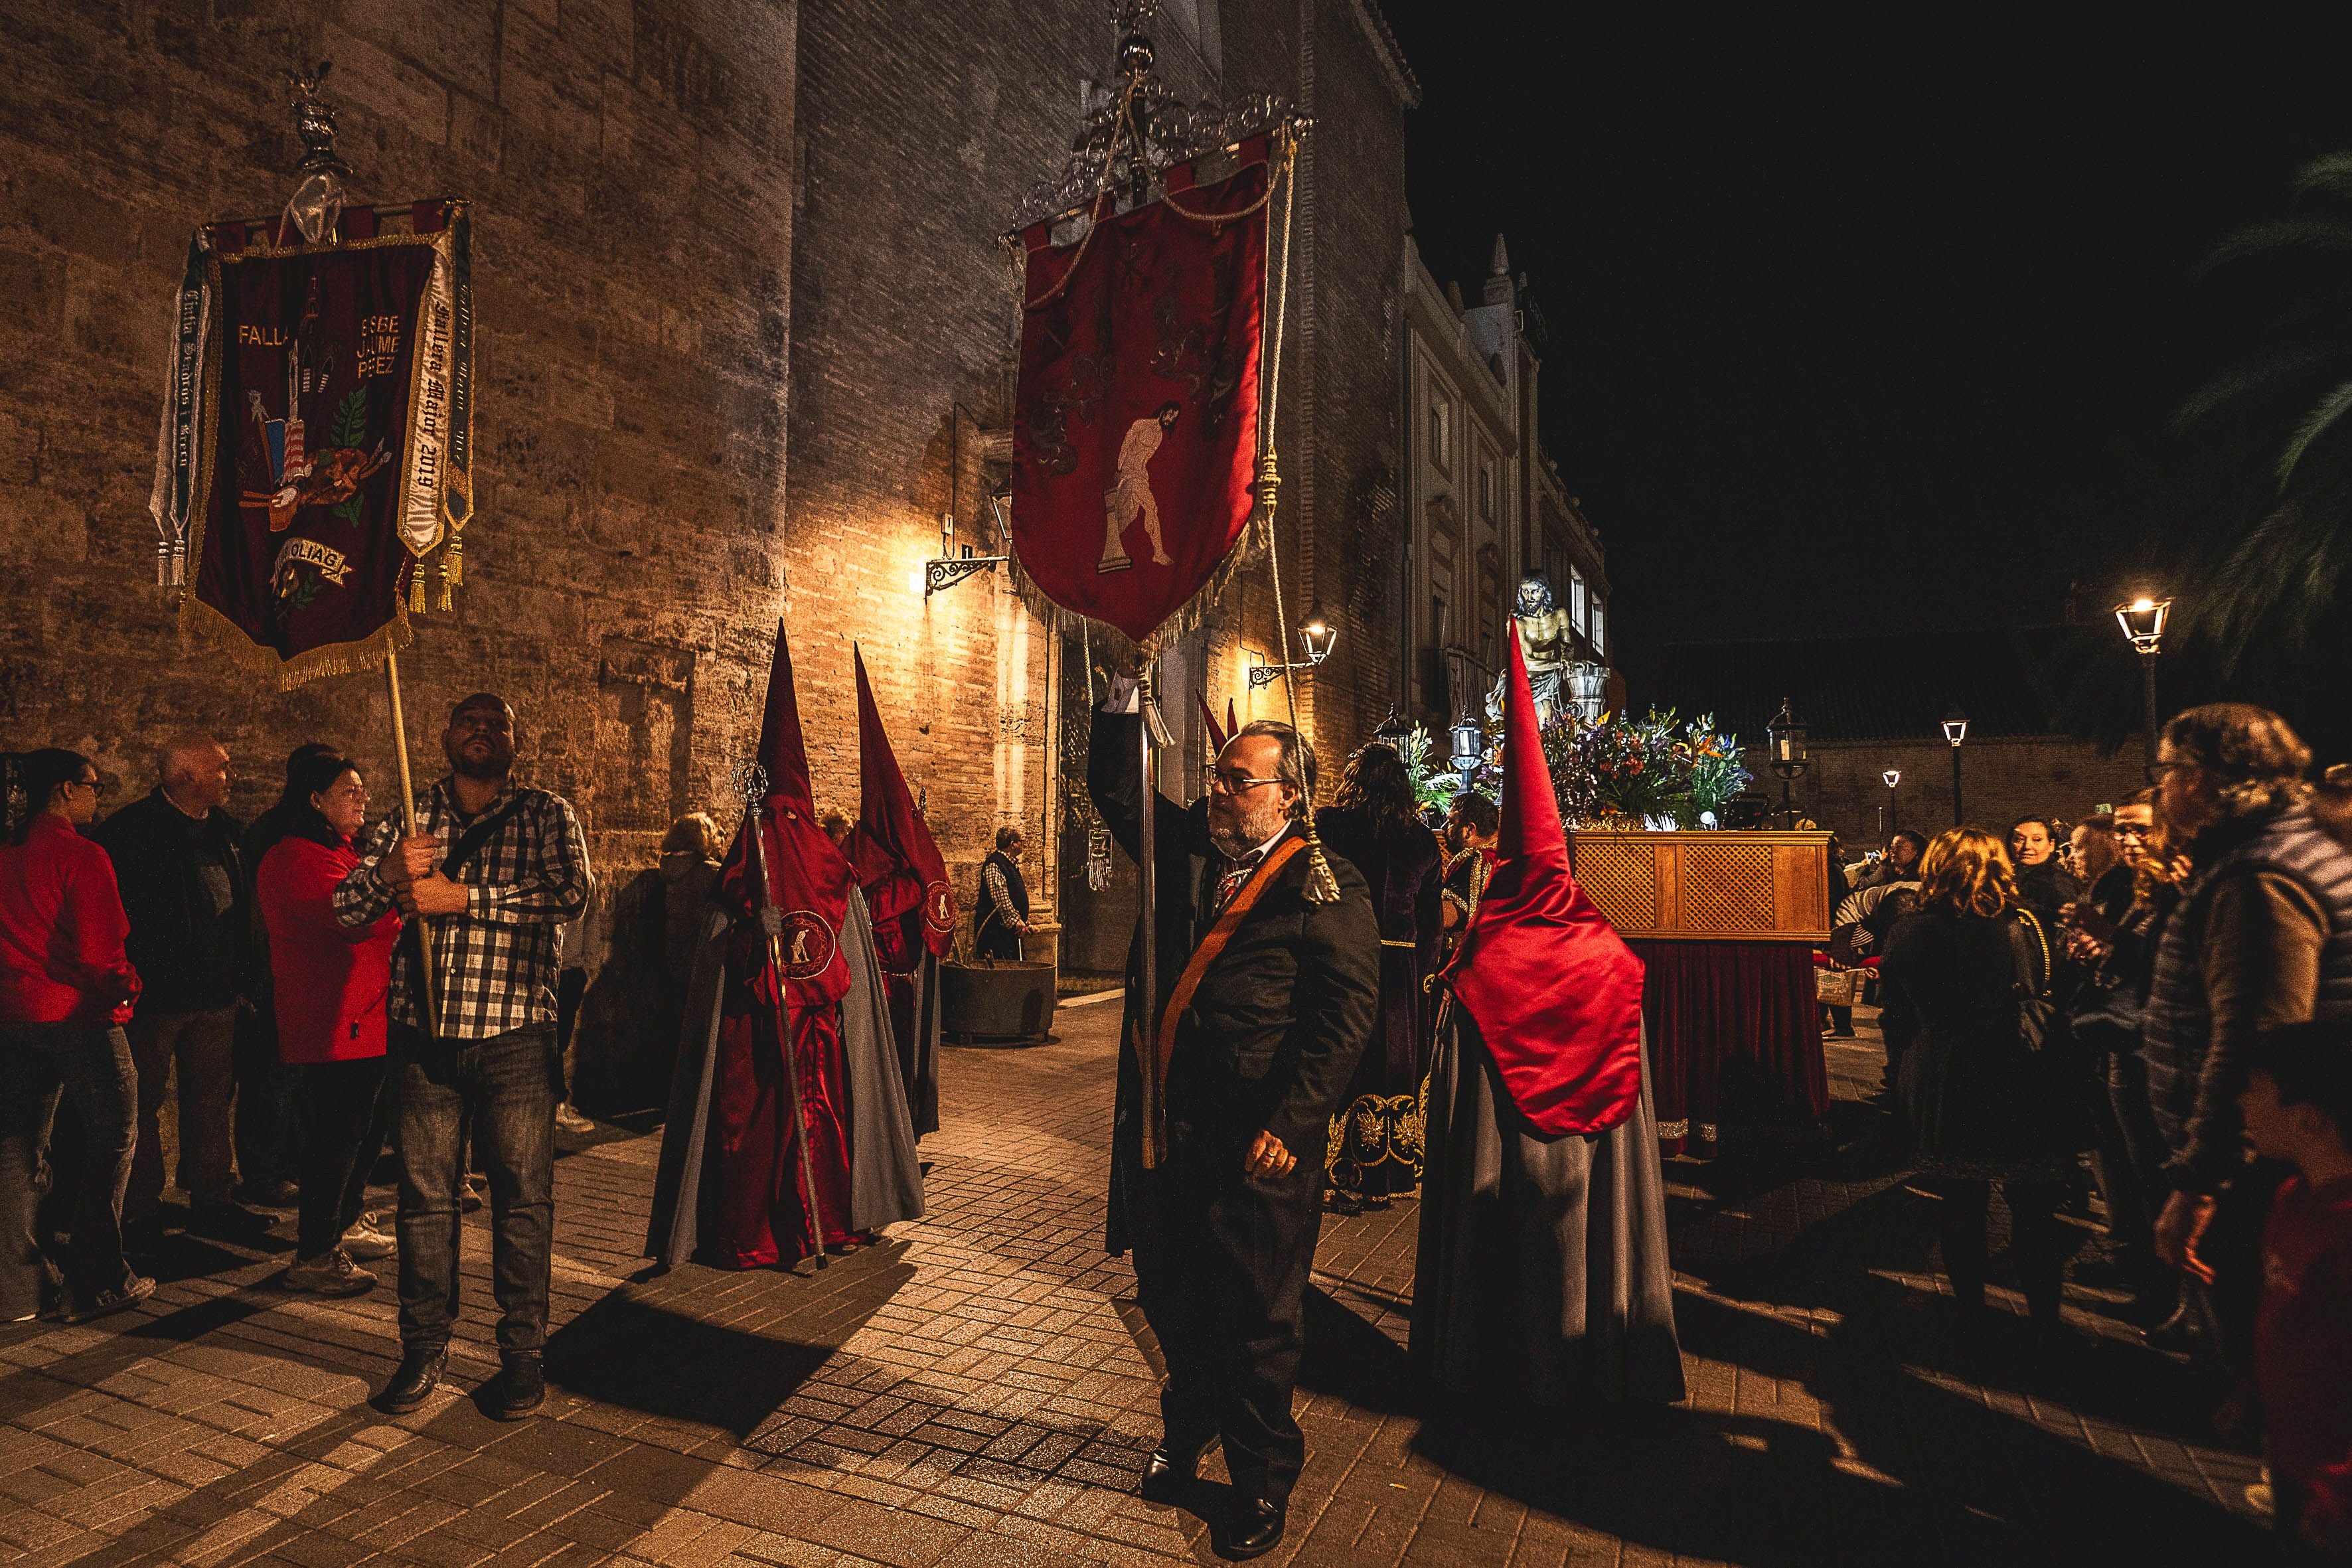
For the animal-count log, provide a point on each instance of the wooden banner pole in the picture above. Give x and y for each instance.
(429, 984)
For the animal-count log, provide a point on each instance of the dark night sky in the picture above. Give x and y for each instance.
(1847, 326)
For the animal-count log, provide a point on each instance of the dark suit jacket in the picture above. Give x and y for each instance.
(189, 957)
(1271, 1037)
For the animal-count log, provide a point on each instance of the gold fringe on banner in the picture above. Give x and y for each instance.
(200, 620)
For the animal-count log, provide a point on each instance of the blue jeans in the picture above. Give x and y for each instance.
(503, 1089)
(88, 1066)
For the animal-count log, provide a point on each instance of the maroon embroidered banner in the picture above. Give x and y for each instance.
(1135, 434)
(327, 433)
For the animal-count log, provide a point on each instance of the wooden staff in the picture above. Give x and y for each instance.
(754, 785)
(423, 927)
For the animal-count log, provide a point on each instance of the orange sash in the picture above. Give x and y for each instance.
(1153, 1064)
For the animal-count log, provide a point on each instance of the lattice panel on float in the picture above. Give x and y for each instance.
(1709, 887)
(1727, 889)
(1620, 873)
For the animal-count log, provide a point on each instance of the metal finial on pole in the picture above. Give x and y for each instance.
(318, 202)
(750, 782)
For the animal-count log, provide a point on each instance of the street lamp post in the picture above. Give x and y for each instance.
(1956, 730)
(1316, 634)
(2143, 622)
(1469, 747)
(1785, 739)
(1891, 777)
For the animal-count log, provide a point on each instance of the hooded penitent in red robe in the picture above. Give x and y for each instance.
(1541, 1274)
(761, 1217)
(1556, 992)
(905, 879)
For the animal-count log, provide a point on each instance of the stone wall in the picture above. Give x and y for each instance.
(2002, 778)
(631, 171)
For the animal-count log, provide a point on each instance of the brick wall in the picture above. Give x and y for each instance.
(2002, 778)
(631, 172)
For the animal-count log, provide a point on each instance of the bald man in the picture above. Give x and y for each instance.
(186, 888)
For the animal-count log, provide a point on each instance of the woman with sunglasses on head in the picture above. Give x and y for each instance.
(66, 990)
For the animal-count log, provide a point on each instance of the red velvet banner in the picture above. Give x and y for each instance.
(1135, 437)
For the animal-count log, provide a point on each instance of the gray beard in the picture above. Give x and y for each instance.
(1251, 831)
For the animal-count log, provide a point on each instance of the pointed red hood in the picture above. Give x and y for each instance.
(898, 862)
(782, 751)
(1218, 733)
(811, 878)
(1556, 992)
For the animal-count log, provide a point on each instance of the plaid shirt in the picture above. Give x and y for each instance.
(497, 964)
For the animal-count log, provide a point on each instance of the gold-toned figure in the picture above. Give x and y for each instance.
(1543, 633)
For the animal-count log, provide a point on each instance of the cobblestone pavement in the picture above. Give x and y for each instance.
(980, 1391)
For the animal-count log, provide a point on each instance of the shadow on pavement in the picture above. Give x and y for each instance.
(1347, 1357)
(641, 1349)
(635, 1349)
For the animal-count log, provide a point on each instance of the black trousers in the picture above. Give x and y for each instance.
(267, 1132)
(1221, 1267)
(347, 1113)
(2035, 1243)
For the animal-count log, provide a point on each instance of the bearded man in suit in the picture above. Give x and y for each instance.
(1216, 1177)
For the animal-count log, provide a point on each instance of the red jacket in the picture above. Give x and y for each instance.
(2303, 1354)
(330, 983)
(61, 930)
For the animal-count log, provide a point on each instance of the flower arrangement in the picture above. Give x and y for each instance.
(1433, 786)
(1656, 770)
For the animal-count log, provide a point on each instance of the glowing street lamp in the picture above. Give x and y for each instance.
(1316, 634)
(1956, 730)
(2143, 623)
(1891, 777)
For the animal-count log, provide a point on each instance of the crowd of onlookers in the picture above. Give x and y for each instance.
(269, 974)
(2160, 996)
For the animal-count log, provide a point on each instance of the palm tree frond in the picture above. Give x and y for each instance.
(2279, 579)
(2303, 234)
(2322, 417)
(2329, 174)
(2258, 374)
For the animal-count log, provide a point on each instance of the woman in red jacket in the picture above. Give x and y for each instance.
(330, 986)
(66, 990)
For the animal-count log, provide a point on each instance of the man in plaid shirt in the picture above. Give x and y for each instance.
(495, 872)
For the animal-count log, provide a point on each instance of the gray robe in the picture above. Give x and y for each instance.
(886, 1182)
(1542, 1275)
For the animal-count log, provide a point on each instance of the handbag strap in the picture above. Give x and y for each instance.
(2028, 985)
(1154, 1061)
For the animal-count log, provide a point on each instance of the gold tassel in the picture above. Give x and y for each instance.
(1322, 887)
(416, 587)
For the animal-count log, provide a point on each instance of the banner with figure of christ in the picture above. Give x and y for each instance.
(1136, 426)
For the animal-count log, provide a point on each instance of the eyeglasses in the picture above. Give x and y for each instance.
(1225, 782)
(2132, 830)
